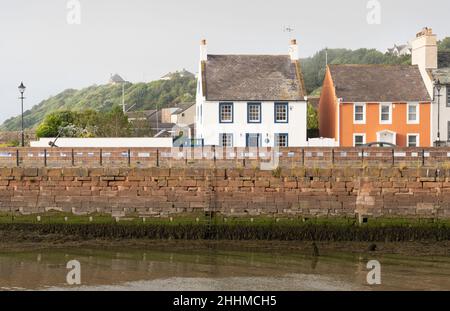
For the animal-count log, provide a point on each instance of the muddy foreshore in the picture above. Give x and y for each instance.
(21, 241)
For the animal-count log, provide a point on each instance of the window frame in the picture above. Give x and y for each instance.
(363, 121)
(447, 87)
(359, 134)
(417, 121)
(221, 136)
(389, 121)
(279, 104)
(417, 140)
(248, 112)
(448, 131)
(277, 135)
(221, 121)
(247, 136)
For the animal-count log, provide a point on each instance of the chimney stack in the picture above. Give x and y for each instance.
(425, 55)
(293, 50)
(203, 51)
(425, 50)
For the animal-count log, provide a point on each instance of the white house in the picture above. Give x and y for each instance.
(400, 50)
(434, 66)
(251, 100)
(441, 105)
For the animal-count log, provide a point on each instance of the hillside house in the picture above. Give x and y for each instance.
(400, 50)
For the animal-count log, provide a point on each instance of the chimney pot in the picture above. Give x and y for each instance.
(203, 50)
(293, 50)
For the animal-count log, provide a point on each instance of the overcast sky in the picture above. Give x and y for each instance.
(144, 39)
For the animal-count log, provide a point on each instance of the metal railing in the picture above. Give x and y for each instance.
(222, 157)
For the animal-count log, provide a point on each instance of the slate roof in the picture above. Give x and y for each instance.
(379, 83)
(252, 78)
(182, 107)
(140, 114)
(442, 74)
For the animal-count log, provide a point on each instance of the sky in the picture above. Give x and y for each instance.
(50, 47)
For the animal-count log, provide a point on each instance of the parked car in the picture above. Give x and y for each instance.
(380, 145)
(442, 143)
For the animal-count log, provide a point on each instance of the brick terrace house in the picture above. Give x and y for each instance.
(375, 103)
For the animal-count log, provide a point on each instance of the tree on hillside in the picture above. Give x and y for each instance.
(313, 118)
(114, 124)
(444, 45)
(314, 67)
(144, 96)
(54, 123)
(88, 123)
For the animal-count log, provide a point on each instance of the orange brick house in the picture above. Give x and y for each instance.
(360, 104)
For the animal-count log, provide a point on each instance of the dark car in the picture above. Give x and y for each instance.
(380, 145)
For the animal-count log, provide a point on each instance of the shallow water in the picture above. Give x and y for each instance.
(216, 269)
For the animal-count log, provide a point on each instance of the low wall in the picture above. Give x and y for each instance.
(418, 192)
(209, 157)
(110, 142)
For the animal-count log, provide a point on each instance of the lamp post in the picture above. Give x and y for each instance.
(438, 86)
(22, 89)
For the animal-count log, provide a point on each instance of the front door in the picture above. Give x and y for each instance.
(387, 137)
(253, 140)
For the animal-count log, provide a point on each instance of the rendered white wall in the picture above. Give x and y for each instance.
(104, 142)
(444, 116)
(209, 128)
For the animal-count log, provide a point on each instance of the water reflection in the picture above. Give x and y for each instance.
(216, 269)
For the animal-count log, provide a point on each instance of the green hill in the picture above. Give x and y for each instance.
(144, 96)
(163, 93)
(313, 68)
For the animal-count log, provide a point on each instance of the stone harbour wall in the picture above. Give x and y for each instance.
(160, 192)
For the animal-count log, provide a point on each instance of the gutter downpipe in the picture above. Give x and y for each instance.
(339, 102)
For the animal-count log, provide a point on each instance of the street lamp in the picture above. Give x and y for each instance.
(22, 89)
(438, 87)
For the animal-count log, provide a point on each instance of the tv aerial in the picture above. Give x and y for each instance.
(288, 29)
